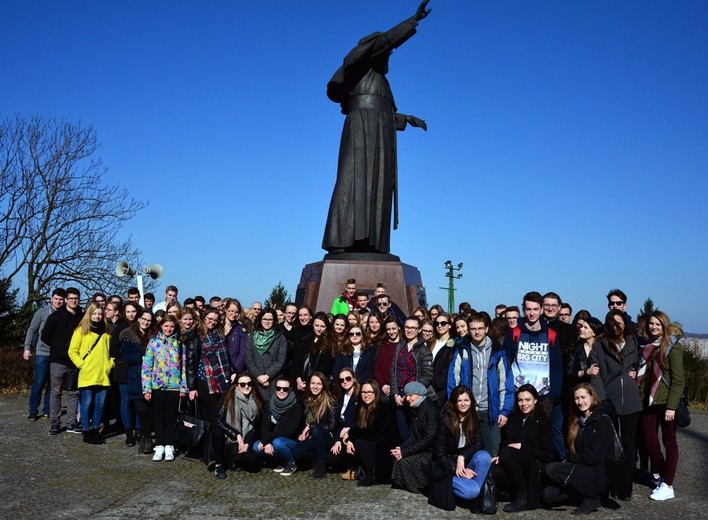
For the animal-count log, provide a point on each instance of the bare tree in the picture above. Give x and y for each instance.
(59, 221)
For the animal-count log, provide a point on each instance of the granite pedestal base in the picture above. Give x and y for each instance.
(321, 282)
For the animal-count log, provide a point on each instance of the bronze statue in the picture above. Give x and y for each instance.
(359, 218)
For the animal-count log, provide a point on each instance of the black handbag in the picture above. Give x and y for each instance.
(488, 496)
(70, 379)
(190, 428)
(683, 414)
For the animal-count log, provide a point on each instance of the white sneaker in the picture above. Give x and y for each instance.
(169, 453)
(664, 492)
(159, 452)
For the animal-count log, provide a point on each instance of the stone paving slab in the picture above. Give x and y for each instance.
(60, 477)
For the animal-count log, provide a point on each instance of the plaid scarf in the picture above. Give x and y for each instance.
(650, 356)
(217, 366)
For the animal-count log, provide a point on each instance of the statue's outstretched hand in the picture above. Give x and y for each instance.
(422, 12)
(418, 123)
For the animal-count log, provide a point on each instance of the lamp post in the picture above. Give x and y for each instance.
(451, 285)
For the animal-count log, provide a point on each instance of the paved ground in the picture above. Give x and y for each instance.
(60, 477)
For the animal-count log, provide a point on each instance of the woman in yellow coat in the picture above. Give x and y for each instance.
(89, 350)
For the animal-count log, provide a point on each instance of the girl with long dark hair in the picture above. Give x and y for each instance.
(460, 464)
(525, 449)
(239, 417)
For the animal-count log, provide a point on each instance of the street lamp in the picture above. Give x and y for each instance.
(154, 271)
(451, 285)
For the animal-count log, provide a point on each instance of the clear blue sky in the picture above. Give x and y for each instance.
(567, 147)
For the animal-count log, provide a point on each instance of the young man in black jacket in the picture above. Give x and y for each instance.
(57, 334)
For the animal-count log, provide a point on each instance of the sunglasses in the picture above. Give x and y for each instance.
(345, 379)
(442, 323)
(282, 388)
(615, 303)
(355, 333)
(245, 384)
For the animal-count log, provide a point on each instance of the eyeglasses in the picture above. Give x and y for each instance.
(282, 389)
(550, 305)
(355, 333)
(345, 379)
(563, 314)
(367, 392)
(410, 328)
(245, 384)
(615, 303)
(442, 323)
(427, 331)
(145, 319)
(266, 319)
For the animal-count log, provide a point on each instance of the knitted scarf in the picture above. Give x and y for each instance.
(279, 407)
(262, 340)
(243, 413)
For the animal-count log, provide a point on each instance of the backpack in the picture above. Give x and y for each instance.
(516, 335)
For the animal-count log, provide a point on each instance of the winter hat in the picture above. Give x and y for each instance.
(415, 388)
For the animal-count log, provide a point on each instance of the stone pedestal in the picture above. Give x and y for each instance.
(321, 282)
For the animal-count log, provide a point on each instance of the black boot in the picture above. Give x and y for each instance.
(141, 445)
(148, 446)
(129, 438)
(554, 496)
(588, 506)
(518, 504)
(319, 471)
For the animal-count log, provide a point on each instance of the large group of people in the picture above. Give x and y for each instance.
(533, 396)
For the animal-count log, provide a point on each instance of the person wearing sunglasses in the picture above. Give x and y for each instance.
(356, 355)
(616, 299)
(280, 424)
(346, 392)
(239, 418)
(442, 352)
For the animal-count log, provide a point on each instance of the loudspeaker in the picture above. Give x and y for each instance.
(154, 271)
(123, 269)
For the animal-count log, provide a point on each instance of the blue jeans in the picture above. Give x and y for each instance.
(469, 488)
(92, 396)
(283, 448)
(41, 381)
(557, 439)
(127, 412)
(319, 442)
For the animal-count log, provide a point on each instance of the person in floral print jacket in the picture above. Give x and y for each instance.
(164, 382)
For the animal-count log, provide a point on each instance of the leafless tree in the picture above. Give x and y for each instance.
(59, 222)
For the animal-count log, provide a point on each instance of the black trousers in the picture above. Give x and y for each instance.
(164, 405)
(209, 406)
